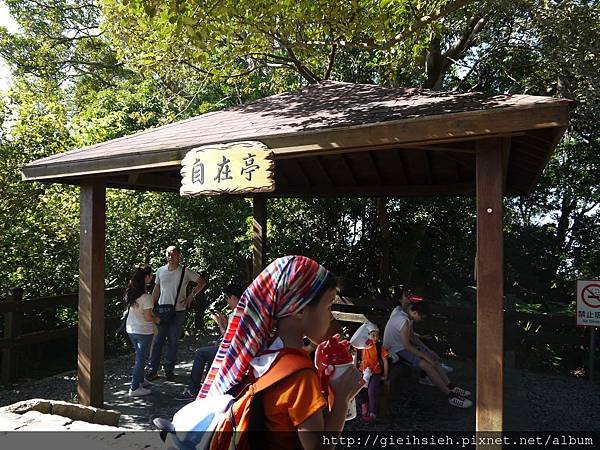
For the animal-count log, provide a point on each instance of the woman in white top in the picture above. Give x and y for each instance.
(140, 326)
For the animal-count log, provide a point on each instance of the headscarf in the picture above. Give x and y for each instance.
(285, 287)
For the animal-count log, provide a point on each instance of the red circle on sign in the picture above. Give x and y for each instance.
(595, 297)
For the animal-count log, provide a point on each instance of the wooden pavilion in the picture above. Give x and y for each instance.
(334, 139)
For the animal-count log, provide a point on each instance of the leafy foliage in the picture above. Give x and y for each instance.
(85, 73)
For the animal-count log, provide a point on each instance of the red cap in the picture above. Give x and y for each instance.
(334, 352)
(414, 298)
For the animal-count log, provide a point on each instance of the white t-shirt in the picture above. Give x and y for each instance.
(136, 322)
(168, 280)
(392, 335)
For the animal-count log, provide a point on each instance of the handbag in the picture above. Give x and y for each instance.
(123, 325)
(166, 313)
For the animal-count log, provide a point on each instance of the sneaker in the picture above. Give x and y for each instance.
(447, 368)
(458, 401)
(146, 383)
(170, 376)
(460, 391)
(185, 396)
(140, 391)
(151, 376)
(426, 381)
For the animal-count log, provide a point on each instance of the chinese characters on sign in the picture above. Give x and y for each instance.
(588, 303)
(235, 168)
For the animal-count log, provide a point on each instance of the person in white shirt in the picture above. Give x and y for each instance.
(140, 326)
(403, 346)
(168, 279)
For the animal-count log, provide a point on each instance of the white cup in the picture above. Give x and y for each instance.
(337, 372)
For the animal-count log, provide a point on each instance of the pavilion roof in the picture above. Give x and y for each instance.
(337, 138)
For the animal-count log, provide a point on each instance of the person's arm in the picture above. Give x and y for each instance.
(200, 284)
(344, 388)
(150, 317)
(221, 321)
(430, 352)
(405, 336)
(155, 293)
(423, 336)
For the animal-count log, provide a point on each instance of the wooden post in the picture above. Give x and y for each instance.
(592, 351)
(259, 234)
(12, 329)
(489, 286)
(384, 263)
(90, 358)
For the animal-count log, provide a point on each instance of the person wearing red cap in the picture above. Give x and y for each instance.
(403, 346)
(405, 299)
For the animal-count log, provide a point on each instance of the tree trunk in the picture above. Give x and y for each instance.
(414, 247)
(384, 262)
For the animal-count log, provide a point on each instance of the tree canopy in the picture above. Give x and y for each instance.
(88, 72)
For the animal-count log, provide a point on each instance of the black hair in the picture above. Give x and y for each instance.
(330, 282)
(420, 308)
(233, 289)
(137, 284)
(396, 292)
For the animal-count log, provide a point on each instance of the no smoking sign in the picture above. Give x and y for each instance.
(588, 303)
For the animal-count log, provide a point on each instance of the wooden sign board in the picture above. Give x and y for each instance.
(234, 168)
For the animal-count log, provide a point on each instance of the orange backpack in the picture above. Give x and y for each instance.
(239, 415)
(232, 434)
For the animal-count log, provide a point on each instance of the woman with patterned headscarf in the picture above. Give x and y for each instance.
(289, 300)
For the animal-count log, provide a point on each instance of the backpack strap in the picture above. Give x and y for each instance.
(179, 285)
(288, 362)
(379, 348)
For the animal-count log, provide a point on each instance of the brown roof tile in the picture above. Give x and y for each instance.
(322, 106)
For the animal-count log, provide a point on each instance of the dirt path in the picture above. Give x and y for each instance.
(532, 401)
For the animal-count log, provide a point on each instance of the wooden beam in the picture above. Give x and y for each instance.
(259, 234)
(489, 286)
(90, 358)
(429, 175)
(458, 189)
(348, 167)
(417, 130)
(376, 170)
(147, 181)
(420, 130)
(435, 148)
(300, 171)
(557, 135)
(401, 166)
(324, 172)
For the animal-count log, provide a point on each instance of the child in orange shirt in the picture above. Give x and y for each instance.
(289, 300)
(374, 362)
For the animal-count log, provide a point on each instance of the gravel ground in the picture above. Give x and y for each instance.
(532, 401)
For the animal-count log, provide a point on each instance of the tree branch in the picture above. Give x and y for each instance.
(331, 61)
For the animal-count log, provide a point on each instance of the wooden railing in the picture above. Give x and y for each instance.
(455, 324)
(15, 310)
(456, 327)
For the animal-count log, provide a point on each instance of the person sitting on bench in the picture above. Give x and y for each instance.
(405, 298)
(204, 355)
(403, 347)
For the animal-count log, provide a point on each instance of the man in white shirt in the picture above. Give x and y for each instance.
(168, 279)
